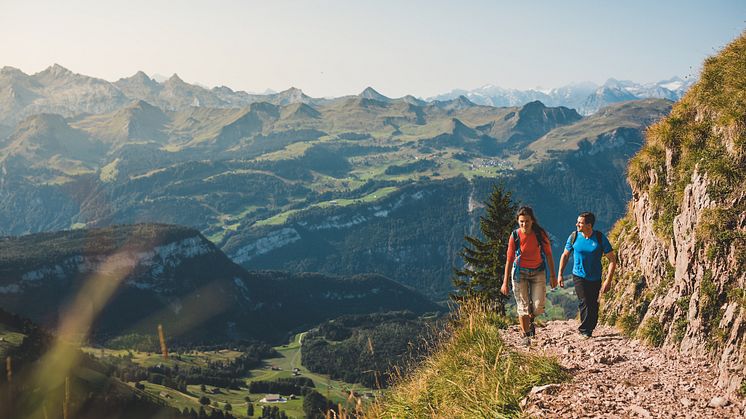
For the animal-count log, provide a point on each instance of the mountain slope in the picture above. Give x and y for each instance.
(128, 279)
(471, 372)
(682, 243)
(252, 172)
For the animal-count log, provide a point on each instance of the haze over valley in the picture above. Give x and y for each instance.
(182, 247)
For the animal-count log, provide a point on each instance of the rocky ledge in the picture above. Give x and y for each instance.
(616, 377)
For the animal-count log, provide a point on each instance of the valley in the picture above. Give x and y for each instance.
(283, 365)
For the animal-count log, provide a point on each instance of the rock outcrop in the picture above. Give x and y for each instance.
(682, 244)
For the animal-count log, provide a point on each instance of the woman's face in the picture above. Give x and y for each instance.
(525, 222)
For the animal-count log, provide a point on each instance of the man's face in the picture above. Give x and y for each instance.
(580, 224)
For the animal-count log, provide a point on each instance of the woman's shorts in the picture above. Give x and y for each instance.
(530, 292)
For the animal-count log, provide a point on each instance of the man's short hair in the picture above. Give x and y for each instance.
(588, 217)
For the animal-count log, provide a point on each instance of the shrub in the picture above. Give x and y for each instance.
(679, 329)
(628, 323)
(652, 332)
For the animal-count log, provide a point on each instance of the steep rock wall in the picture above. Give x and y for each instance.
(682, 243)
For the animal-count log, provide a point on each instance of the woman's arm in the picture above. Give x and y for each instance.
(509, 258)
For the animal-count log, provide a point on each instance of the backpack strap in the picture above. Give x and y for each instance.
(540, 241)
(599, 238)
(516, 262)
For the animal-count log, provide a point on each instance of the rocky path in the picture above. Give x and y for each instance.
(614, 377)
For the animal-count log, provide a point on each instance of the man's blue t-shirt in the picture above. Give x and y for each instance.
(587, 255)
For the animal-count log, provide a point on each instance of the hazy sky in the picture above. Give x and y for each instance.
(333, 48)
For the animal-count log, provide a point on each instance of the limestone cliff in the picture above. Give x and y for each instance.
(682, 243)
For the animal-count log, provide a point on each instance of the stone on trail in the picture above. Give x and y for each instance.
(718, 402)
(640, 411)
(548, 389)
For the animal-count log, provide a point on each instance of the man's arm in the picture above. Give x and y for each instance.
(562, 262)
(611, 256)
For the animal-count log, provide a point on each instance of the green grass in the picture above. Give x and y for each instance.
(290, 356)
(652, 332)
(472, 374)
(8, 340)
(628, 323)
(282, 218)
(182, 359)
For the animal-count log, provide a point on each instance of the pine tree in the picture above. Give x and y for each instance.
(484, 258)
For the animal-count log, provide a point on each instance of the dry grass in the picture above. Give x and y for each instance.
(472, 373)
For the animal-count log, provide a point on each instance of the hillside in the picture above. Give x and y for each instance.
(128, 279)
(343, 186)
(682, 242)
(471, 372)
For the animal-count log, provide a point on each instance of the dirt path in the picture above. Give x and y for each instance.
(615, 377)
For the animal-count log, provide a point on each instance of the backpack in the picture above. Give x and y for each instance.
(516, 262)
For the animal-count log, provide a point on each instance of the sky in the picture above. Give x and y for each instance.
(399, 47)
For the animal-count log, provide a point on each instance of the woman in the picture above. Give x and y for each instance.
(530, 263)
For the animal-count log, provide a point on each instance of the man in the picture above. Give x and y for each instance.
(587, 247)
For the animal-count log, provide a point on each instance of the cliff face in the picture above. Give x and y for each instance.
(682, 243)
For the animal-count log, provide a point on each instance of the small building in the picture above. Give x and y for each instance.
(273, 398)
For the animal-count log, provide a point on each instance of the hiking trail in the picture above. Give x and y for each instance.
(613, 376)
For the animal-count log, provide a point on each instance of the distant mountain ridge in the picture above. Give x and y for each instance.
(587, 98)
(59, 90)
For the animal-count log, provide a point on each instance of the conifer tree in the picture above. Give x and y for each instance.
(484, 255)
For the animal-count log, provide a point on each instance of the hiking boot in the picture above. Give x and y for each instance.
(586, 335)
(526, 341)
(531, 329)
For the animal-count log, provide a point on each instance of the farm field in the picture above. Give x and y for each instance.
(271, 370)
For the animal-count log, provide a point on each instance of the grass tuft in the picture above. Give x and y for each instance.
(628, 323)
(652, 332)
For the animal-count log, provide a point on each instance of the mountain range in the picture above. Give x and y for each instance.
(587, 98)
(59, 90)
(352, 185)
